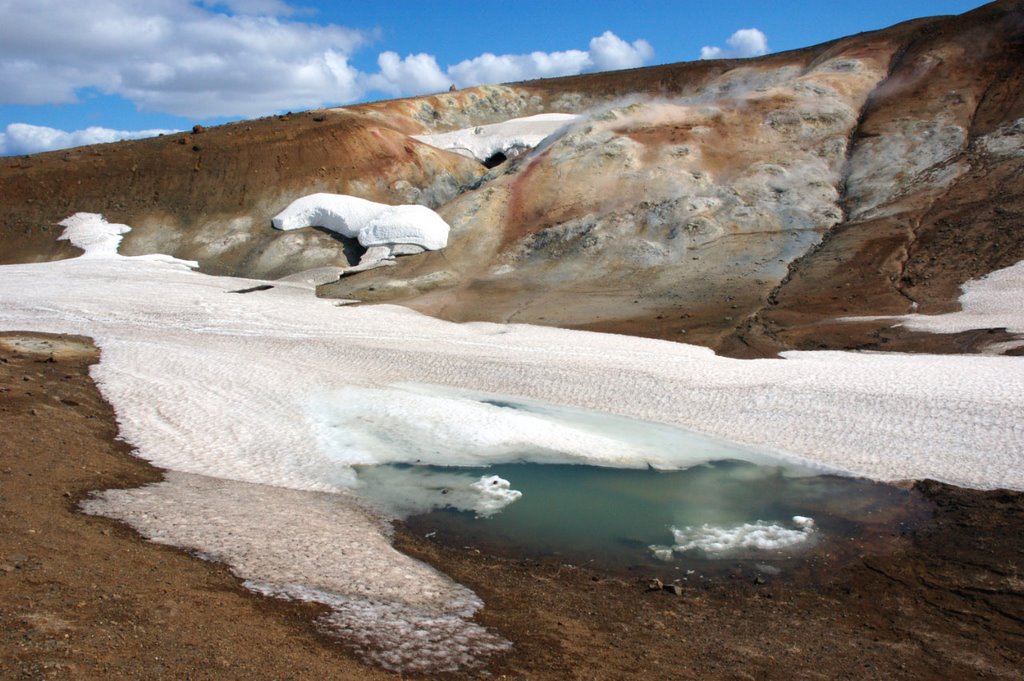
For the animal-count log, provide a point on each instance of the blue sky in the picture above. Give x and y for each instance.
(95, 70)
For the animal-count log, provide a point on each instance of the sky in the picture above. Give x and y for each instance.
(74, 73)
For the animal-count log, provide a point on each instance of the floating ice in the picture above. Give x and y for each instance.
(611, 516)
(495, 494)
(662, 552)
(405, 491)
(509, 138)
(803, 521)
(721, 542)
(373, 224)
(445, 427)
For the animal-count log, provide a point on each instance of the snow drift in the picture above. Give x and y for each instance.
(373, 224)
(509, 138)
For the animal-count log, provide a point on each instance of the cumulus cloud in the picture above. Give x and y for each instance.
(236, 57)
(492, 68)
(203, 59)
(415, 74)
(609, 52)
(174, 56)
(746, 42)
(606, 52)
(274, 8)
(21, 138)
(419, 73)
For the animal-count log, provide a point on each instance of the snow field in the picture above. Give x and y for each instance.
(269, 398)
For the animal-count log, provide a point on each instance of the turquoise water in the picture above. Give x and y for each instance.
(623, 518)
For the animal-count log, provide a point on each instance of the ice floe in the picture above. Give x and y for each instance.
(404, 491)
(744, 539)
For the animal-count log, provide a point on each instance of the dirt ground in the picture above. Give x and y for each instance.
(84, 597)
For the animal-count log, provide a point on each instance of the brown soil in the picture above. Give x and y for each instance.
(208, 195)
(943, 602)
(915, 255)
(184, 193)
(84, 597)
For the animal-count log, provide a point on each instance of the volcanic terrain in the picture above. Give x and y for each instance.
(816, 199)
(743, 205)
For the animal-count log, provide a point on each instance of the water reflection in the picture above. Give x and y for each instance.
(626, 517)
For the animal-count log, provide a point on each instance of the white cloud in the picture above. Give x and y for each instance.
(202, 59)
(746, 42)
(274, 8)
(492, 68)
(173, 56)
(419, 73)
(415, 74)
(21, 138)
(607, 51)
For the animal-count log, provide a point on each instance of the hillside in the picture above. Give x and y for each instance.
(744, 205)
(248, 475)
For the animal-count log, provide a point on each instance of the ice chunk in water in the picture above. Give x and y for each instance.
(719, 542)
(402, 491)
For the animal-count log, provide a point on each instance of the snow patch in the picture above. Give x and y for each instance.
(93, 234)
(359, 426)
(395, 611)
(101, 240)
(178, 358)
(511, 138)
(373, 224)
(991, 302)
(397, 637)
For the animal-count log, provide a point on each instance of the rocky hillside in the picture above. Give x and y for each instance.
(746, 205)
